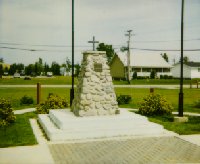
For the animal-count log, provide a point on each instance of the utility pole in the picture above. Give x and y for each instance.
(72, 89)
(180, 113)
(128, 55)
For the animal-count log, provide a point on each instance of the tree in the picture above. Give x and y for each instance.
(13, 69)
(16, 68)
(1, 70)
(109, 51)
(68, 65)
(46, 68)
(55, 68)
(185, 59)
(1, 60)
(165, 56)
(77, 69)
(30, 69)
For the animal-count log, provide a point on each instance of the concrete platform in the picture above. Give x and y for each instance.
(62, 125)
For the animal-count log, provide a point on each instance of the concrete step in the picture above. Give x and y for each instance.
(63, 120)
(78, 128)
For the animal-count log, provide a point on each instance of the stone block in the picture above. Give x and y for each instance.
(180, 119)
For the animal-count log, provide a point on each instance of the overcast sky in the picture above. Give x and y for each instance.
(45, 26)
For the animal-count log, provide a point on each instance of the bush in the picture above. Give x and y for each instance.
(197, 104)
(27, 78)
(135, 75)
(6, 113)
(26, 100)
(155, 104)
(52, 102)
(153, 75)
(124, 99)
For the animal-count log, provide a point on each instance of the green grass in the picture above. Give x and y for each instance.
(19, 133)
(137, 94)
(15, 94)
(190, 127)
(154, 82)
(58, 80)
(66, 80)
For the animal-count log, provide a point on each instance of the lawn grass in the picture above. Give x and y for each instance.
(154, 82)
(15, 94)
(19, 133)
(67, 80)
(190, 127)
(137, 94)
(57, 80)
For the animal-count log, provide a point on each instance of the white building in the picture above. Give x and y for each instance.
(142, 64)
(191, 70)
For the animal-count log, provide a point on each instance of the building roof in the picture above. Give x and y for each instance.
(193, 64)
(148, 61)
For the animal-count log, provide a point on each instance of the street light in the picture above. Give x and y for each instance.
(180, 113)
(72, 89)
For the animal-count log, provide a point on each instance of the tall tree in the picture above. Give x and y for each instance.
(165, 56)
(1, 70)
(186, 59)
(46, 68)
(109, 51)
(13, 68)
(30, 69)
(68, 65)
(1, 60)
(55, 68)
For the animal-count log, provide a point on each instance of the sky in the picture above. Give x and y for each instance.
(30, 30)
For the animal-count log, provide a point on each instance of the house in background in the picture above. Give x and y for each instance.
(191, 70)
(142, 64)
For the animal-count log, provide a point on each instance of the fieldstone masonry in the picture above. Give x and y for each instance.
(95, 94)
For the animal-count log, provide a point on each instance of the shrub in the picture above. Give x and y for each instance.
(197, 104)
(124, 99)
(53, 102)
(153, 75)
(26, 100)
(27, 78)
(135, 75)
(155, 104)
(6, 113)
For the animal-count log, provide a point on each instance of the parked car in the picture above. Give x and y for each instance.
(16, 75)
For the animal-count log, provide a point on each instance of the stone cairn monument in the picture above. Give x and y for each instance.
(94, 94)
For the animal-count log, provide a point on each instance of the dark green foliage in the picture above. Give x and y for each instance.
(1, 70)
(26, 100)
(6, 113)
(135, 75)
(165, 56)
(109, 51)
(152, 75)
(197, 104)
(124, 99)
(53, 102)
(155, 104)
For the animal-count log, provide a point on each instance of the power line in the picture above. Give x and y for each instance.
(144, 49)
(69, 46)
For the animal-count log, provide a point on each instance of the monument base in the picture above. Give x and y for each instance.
(62, 125)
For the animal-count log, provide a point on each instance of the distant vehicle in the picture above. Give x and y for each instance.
(16, 75)
(6, 73)
(49, 74)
